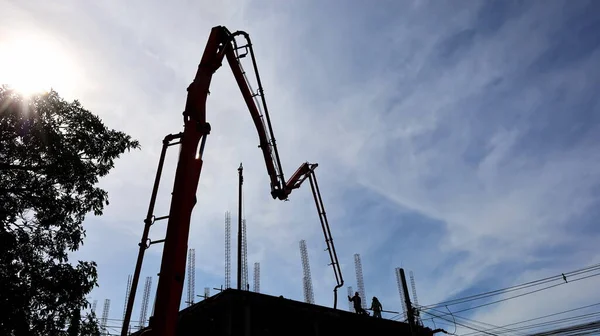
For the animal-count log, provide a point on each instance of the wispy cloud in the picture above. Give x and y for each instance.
(460, 143)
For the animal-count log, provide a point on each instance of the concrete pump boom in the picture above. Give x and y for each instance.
(221, 44)
(307, 170)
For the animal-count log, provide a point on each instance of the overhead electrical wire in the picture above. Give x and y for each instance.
(553, 323)
(578, 329)
(552, 331)
(563, 277)
(468, 320)
(523, 294)
(593, 315)
(461, 324)
(541, 317)
(518, 287)
(508, 298)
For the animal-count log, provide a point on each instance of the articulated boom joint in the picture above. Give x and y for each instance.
(203, 128)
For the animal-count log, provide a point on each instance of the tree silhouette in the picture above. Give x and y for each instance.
(52, 153)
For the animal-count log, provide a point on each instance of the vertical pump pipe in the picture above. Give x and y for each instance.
(239, 249)
(147, 223)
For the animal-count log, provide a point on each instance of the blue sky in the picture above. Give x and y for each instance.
(455, 139)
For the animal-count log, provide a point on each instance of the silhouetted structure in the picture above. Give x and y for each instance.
(227, 250)
(127, 290)
(191, 277)
(238, 313)
(360, 283)
(240, 272)
(350, 293)
(309, 296)
(145, 303)
(415, 301)
(104, 319)
(401, 293)
(257, 277)
(245, 282)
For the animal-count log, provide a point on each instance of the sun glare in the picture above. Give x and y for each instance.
(32, 64)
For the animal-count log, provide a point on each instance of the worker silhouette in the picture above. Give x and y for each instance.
(376, 307)
(357, 304)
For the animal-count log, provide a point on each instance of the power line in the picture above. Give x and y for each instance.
(523, 294)
(462, 325)
(513, 288)
(542, 317)
(561, 321)
(475, 321)
(553, 323)
(577, 272)
(578, 329)
(531, 326)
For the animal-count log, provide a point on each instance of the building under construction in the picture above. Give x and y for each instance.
(233, 312)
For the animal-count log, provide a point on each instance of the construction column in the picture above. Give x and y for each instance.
(239, 265)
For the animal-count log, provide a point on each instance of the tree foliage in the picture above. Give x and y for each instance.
(52, 153)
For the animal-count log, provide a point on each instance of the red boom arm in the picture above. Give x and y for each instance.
(221, 43)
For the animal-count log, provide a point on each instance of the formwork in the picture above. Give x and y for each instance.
(234, 313)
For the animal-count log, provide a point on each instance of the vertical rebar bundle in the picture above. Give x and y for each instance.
(127, 291)
(191, 277)
(350, 294)
(227, 250)
(104, 319)
(145, 302)
(309, 296)
(206, 292)
(401, 293)
(414, 289)
(257, 277)
(245, 282)
(415, 299)
(359, 280)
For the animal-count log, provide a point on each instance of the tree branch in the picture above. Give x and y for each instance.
(8, 166)
(17, 190)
